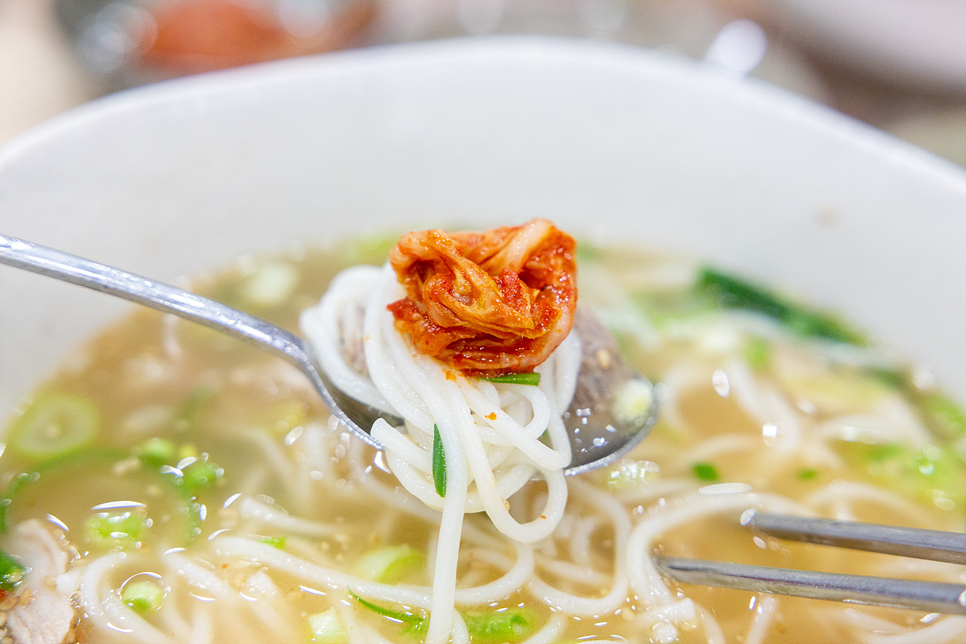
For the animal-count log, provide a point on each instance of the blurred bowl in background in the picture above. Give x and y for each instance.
(136, 41)
(917, 43)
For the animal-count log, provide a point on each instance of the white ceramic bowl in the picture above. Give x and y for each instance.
(602, 139)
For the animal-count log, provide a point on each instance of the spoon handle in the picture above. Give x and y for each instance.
(163, 297)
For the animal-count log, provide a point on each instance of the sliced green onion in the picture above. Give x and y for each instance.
(369, 249)
(532, 378)
(439, 463)
(758, 354)
(142, 596)
(115, 529)
(156, 452)
(270, 285)
(733, 292)
(943, 413)
(327, 628)
(894, 378)
(512, 625)
(705, 472)
(201, 474)
(187, 483)
(396, 615)
(633, 400)
(940, 412)
(389, 564)
(807, 474)
(628, 473)
(11, 572)
(275, 542)
(55, 424)
(932, 473)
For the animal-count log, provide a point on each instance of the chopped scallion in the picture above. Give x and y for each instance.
(200, 474)
(934, 474)
(142, 596)
(758, 354)
(531, 378)
(633, 400)
(270, 285)
(55, 424)
(439, 463)
(943, 412)
(807, 474)
(512, 625)
(327, 628)
(733, 292)
(940, 412)
(706, 472)
(11, 572)
(389, 564)
(156, 452)
(115, 529)
(275, 542)
(413, 621)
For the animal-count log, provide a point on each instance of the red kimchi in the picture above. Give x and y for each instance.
(487, 303)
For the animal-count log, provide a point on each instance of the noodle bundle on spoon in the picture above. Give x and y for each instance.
(445, 336)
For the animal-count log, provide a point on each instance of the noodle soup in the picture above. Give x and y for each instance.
(202, 493)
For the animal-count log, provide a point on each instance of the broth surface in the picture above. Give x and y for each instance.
(202, 439)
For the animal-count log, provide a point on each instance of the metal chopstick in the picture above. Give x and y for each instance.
(929, 596)
(936, 545)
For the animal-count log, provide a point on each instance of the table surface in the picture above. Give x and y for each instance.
(40, 75)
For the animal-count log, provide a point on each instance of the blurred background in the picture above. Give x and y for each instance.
(899, 65)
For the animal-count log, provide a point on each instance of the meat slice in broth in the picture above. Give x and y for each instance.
(42, 614)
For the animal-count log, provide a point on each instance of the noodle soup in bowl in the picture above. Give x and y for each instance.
(200, 493)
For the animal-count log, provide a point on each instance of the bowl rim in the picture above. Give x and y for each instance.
(804, 112)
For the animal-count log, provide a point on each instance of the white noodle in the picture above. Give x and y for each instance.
(841, 494)
(174, 622)
(590, 606)
(644, 577)
(949, 630)
(322, 327)
(573, 572)
(550, 632)
(764, 616)
(712, 630)
(580, 546)
(202, 630)
(104, 607)
(279, 520)
(472, 423)
(718, 446)
(270, 607)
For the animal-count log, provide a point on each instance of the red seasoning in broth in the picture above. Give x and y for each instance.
(487, 303)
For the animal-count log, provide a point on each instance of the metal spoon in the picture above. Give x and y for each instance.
(598, 435)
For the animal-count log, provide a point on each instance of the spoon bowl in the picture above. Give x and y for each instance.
(598, 433)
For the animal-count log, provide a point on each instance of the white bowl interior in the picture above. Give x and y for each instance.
(604, 140)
